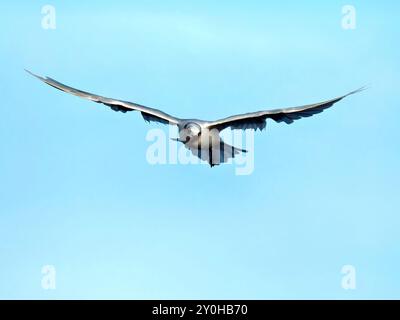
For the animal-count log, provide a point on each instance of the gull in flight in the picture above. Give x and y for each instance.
(199, 136)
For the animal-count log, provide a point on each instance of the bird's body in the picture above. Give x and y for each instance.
(202, 137)
(205, 143)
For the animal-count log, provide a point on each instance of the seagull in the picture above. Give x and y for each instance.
(199, 136)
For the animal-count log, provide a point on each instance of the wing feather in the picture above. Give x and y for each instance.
(149, 114)
(257, 120)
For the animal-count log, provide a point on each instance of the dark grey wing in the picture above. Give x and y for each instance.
(257, 120)
(149, 114)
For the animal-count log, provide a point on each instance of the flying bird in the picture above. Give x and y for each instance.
(199, 136)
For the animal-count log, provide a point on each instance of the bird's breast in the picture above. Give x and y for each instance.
(204, 140)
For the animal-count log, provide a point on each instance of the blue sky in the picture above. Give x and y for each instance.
(77, 192)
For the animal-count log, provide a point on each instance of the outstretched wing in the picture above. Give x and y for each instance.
(257, 120)
(149, 114)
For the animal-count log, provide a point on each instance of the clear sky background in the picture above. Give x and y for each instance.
(77, 193)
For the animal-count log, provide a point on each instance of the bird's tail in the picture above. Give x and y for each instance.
(224, 153)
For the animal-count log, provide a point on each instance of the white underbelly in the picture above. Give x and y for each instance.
(206, 140)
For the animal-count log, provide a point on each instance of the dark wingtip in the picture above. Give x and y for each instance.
(35, 75)
(26, 70)
(363, 88)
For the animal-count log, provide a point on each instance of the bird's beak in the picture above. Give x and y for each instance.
(179, 140)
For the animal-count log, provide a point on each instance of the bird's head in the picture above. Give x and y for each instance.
(193, 129)
(190, 130)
